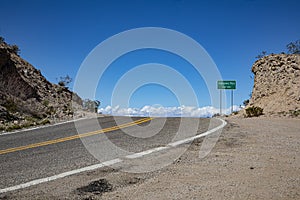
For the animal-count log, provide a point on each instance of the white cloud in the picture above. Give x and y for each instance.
(160, 111)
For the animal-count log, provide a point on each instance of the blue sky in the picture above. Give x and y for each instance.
(56, 37)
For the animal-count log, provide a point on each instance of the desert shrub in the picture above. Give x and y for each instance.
(44, 122)
(10, 105)
(13, 127)
(235, 112)
(15, 49)
(38, 115)
(216, 115)
(261, 55)
(254, 111)
(64, 81)
(27, 124)
(293, 47)
(46, 103)
(295, 113)
(30, 119)
(246, 102)
(50, 110)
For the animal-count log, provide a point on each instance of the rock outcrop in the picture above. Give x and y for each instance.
(26, 94)
(277, 84)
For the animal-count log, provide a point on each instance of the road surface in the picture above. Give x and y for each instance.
(44, 152)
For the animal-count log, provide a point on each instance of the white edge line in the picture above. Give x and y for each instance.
(111, 162)
(140, 154)
(174, 144)
(62, 175)
(40, 127)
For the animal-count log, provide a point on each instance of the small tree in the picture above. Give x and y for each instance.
(261, 55)
(1, 40)
(15, 49)
(246, 102)
(294, 47)
(64, 81)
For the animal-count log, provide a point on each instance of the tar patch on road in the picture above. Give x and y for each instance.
(96, 187)
(4, 197)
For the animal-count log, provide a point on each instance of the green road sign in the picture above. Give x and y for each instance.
(229, 85)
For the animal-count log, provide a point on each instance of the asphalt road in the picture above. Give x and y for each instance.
(22, 165)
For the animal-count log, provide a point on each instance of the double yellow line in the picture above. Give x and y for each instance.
(73, 137)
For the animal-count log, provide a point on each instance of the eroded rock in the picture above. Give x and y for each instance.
(277, 84)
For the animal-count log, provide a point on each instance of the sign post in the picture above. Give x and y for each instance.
(226, 85)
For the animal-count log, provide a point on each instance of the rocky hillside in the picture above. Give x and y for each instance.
(277, 84)
(26, 96)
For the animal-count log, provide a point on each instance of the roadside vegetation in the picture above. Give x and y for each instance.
(15, 49)
(254, 111)
(294, 47)
(291, 48)
(26, 123)
(294, 113)
(64, 81)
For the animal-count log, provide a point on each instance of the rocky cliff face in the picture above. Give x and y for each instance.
(26, 94)
(277, 84)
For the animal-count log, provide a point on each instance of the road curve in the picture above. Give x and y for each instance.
(45, 152)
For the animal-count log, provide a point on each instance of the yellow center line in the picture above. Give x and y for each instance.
(73, 137)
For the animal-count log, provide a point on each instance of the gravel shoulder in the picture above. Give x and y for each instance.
(254, 158)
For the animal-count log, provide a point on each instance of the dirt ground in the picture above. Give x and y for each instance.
(254, 158)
